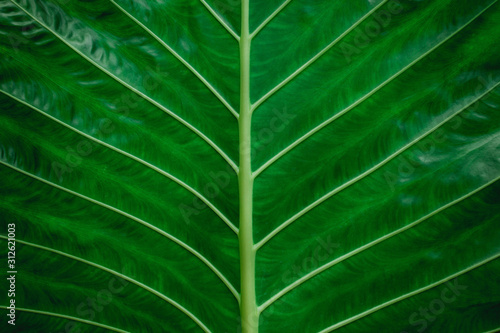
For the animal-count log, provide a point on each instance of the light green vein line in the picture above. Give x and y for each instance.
(69, 318)
(133, 157)
(496, 330)
(400, 298)
(136, 91)
(125, 277)
(220, 19)
(316, 57)
(182, 60)
(369, 245)
(367, 172)
(266, 21)
(248, 305)
(136, 219)
(362, 99)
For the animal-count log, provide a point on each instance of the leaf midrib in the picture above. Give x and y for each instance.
(283, 152)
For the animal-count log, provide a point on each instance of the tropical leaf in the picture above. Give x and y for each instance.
(228, 166)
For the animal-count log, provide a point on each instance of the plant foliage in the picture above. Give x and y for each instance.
(329, 165)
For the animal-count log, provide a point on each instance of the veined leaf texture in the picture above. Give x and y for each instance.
(250, 166)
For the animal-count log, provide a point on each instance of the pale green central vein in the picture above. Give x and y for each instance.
(125, 277)
(248, 304)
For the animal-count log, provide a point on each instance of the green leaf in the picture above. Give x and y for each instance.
(250, 166)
